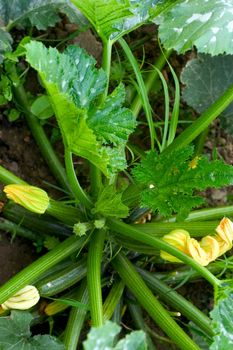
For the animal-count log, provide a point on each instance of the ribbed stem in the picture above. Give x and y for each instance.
(113, 299)
(94, 277)
(7, 177)
(76, 319)
(196, 229)
(150, 303)
(179, 303)
(63, 212)
(38, 267)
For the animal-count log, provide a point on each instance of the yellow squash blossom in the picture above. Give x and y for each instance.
(178, 239)
(29, 197)
(205, 251)
(24, 299)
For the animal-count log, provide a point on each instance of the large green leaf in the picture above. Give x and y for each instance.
(207, 24)
(171, 179)
(74, 86)
(112, 122)
(222, 319)
(114, 18)
(15, 334)
(103, 338)
(5, 43)
(206, 78)
(39, 13)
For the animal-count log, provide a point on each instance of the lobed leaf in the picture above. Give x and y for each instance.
(74, 85)
(15, 334)
(39, 13)
(103, 338)
(206, 78)
(170, 180)
(222, 319)
(206, 24)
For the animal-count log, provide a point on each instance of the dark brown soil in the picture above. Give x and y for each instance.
(20, 155)
(14, 256)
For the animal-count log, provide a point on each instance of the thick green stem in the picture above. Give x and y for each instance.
(106, 65)
(196, 128)
(158, 244)
(184, 274)
(177, 301)
(38, 267)
(38, 133)
(113, 299)
(94, 277)
(96, 181)
(7, 177)
(79, 193)
(150, 303)
(143, 91)
(63, 212)
(208, 214)
(195, 228)
(76, 319)
(95, 174)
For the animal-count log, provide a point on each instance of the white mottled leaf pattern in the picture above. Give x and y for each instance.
(114, 18)
(39, 13)
(207, 24)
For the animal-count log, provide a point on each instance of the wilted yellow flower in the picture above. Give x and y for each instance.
(23, 299)
(205, 251)
(225, 235)
(178, 239)
(30, 197)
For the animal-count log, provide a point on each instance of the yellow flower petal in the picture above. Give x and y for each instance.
(178, 239)
(205, 251)
(23, 299)
(225, 235)
(211, 247)
(29, 197)
(197, 252)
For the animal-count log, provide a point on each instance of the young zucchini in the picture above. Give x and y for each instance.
(63, 279)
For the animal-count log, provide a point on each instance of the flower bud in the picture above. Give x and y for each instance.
(24, 299)
(178, 239)
(29, 197)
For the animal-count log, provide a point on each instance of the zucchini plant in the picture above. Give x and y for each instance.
(100, 260)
